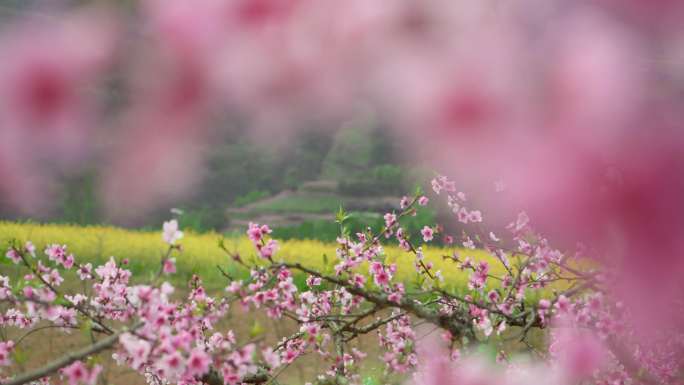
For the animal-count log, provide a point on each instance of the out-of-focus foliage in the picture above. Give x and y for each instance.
(250, 197)
(380, 180)
(239, 172)
(317, 204)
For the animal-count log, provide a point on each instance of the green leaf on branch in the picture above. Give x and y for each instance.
(256, 330)
(86, 329)
(19, 356)
(341, 216)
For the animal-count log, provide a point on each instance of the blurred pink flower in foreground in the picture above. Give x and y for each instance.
(578, 356)
(48, 69)
(437, 367)
(48, 79)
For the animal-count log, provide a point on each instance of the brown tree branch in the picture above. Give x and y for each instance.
(69, 358)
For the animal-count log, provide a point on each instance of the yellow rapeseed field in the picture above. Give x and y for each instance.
(201, 252)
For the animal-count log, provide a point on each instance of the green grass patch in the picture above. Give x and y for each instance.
(314, 203)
